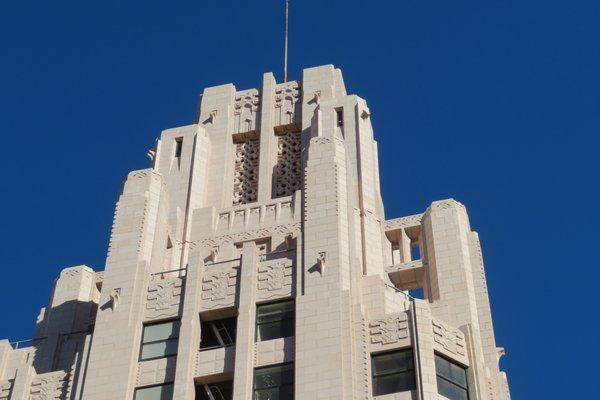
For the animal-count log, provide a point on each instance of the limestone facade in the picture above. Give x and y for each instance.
(270, 201)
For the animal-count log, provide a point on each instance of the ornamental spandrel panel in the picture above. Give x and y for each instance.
(449, 341)
(388, 332)
(157, 371)
(275, 278)
(163, 298)
(219, 284)
(214, 361)
(50, 386)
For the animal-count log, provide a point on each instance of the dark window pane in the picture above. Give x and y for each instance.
(273, 376)
(394, 383)
(275, 311)
(274, 320)
(274, 383)
(392, 362)
(393, 372)
(451, 371)
(274, 330)
(450, 390)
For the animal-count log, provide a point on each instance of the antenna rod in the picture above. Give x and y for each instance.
(285, 42)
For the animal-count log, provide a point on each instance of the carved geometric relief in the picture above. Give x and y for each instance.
(50, 386)
(245, 236)
(287, 107)
(275, 278)
(450, 340)
(218, 288)
(5, 389)
(245, 110)
(163, 297)
(245, 179)
(288, 172)
(389, 330)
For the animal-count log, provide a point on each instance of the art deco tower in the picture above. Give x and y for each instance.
(253, 260)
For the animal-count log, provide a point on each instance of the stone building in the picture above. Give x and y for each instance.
(253, 260)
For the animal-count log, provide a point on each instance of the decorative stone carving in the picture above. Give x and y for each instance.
(163, 297)
(449, 339)
(275, 278)
(286, 103)
(218, 288)
(245, 180)
(247, 235)
(389, 330)
(402, 222)
(288, 170)
(5, 388)
(50, 386)
(245, 111)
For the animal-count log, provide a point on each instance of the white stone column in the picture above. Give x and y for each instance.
(246, 324)
(189, 333)
(138, 218)
(446, 232)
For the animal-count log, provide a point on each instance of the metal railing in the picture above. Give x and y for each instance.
(19, 344)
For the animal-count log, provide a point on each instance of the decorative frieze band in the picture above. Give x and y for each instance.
(246, 236)
(402, 222)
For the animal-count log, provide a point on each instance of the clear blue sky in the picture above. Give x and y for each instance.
(494, 103)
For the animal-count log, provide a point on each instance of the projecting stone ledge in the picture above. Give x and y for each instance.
(407, 276)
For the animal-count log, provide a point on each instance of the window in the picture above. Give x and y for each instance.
(178, 147)
(451, 379)
(274, 320)
(217, 333)
(274, 383)
(393, 372)
(159, 392)
(159, 340)
(339, 117)
(215, 391)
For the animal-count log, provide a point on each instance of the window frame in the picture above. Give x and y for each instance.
(152, 323)
(257, 324)
(456, 384)
(151, 386)
(406, 371)
(292, 384)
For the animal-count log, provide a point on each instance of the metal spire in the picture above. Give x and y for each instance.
(285, 42)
